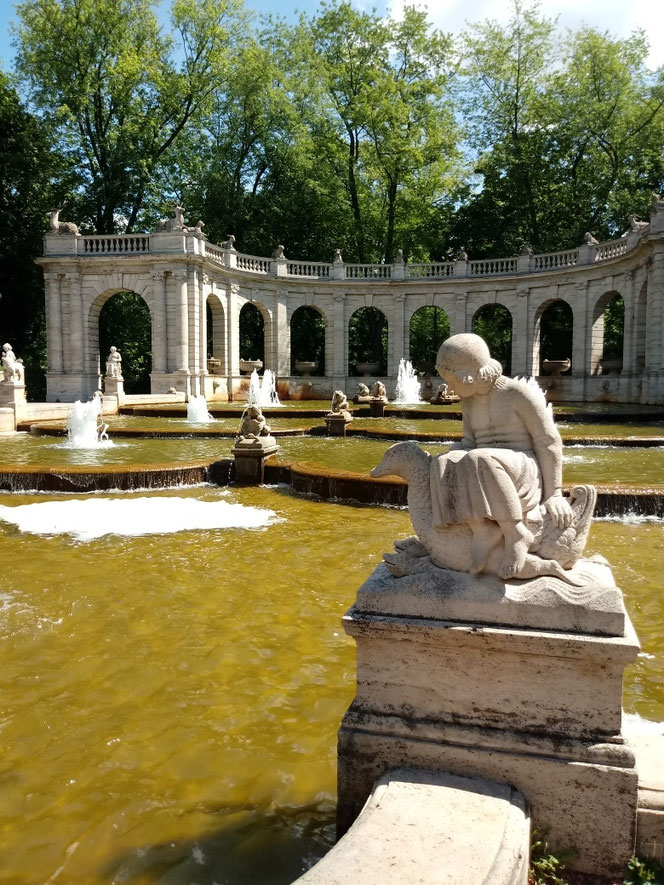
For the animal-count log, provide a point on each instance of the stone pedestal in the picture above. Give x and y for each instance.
(250, 455)
(336, 424)
(377, 408)
(12, 395)
(440, 687)
(113, 386)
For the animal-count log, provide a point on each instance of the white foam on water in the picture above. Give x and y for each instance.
(636, 724)
(92, 518)
(629, 519)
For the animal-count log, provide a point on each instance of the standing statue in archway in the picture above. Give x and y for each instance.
(12, 369)
(494, 503)
(114, 364)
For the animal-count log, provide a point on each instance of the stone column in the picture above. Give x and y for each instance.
(629, 301)
(181, 338)
(522, 336)
(655, 324)
(75, 323)
(281, 336)
(398, 340)
(339, 339)
(203, 284)
(458, 315)
(233, 331)
(53, 322)
(159, 329)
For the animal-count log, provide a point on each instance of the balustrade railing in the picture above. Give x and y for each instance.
(612, 249)
(130, 244)
(214, 253)
(554, 260)
(423, 271)
(253, 263)
(368, 271)
(491, 266)
(110, 244)
(307, 269)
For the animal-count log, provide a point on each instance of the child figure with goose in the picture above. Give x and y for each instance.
(494, 502)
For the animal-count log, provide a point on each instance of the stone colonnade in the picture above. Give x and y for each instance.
(179, 274)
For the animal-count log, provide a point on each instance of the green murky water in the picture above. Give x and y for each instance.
(170, 702)
(598, 464)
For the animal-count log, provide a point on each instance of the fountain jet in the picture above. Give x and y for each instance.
(408, 386)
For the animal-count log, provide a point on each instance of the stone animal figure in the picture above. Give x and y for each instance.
(552, 550)
(66, 228)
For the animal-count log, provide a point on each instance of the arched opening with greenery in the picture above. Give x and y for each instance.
(367, 340)
(307, 332)
(493, 322)
(216, 335)
(125, 323)
(429, 327)
(252, 333)
(554, 332)
(608, 333)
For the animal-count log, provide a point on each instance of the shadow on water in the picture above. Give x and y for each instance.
(249, 846)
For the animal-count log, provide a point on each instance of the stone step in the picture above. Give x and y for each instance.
(432, 827)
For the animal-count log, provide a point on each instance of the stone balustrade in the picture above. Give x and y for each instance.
(128, 244)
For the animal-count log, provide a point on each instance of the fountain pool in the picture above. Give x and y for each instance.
(170, 702)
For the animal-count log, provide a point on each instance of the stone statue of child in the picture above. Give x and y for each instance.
(339, 406)
(508, 463)
(114, 364)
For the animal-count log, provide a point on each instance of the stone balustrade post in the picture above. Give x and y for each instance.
(337, 270)
(399, 268)
(461, 267)
(587, 253)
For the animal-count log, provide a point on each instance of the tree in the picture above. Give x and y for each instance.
(104, 73)
(376, 99)
(28, 166)
(569, 135)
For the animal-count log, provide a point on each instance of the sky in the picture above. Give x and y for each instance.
(618, 17)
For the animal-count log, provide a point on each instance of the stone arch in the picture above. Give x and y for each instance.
(607, 334)
(429, 326)
(553, 333)
(308, 328)
(493, 322)
(367, 341)
(216, 337)
(137, 355)
(255, 330)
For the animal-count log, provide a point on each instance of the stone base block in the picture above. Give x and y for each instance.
(377, 408)
(583, 794)
(336, 426)
(250, 457)
(12, 395)
(69, 387)
(114, 387)
(7, 420)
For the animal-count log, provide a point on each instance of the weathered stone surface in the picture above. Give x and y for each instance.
(594, 607)
(563, 684)
(647, 740)
(420, 826)
(588, 806)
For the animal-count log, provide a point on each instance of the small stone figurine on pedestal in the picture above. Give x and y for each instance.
(378, 400)
(338, 418)
(253, 445)
(12, 386)
(113, 381)
(486, 646)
